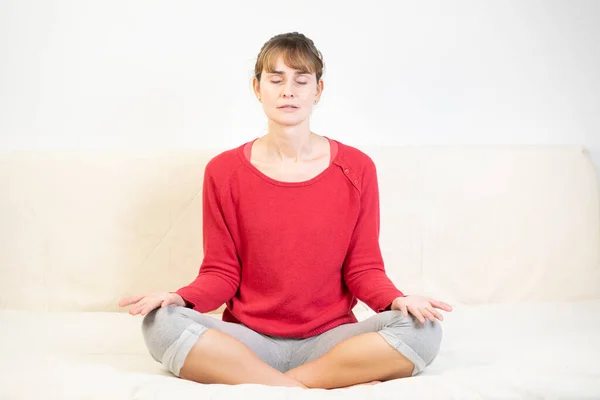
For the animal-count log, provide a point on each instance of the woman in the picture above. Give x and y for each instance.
(290, 231)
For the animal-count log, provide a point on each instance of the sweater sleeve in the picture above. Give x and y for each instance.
(219, 276)
(363, 267)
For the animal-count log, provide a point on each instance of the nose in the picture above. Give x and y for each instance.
(288, 90)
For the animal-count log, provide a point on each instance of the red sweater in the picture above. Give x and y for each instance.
(290, 259)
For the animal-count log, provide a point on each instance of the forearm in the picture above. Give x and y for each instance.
(207, 292)
(375, 289)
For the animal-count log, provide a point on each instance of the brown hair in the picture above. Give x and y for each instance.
(298, 51)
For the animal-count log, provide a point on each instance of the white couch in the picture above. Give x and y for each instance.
(509, 235)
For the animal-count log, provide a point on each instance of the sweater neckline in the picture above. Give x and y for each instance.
(333, 164)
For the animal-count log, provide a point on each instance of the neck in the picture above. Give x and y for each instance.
(289, 143)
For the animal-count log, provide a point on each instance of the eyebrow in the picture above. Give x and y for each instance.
(282, 73)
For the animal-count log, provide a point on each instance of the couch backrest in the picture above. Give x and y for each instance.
(488, 224)
(464, 224)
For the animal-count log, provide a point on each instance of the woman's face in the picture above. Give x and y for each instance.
(287, 86)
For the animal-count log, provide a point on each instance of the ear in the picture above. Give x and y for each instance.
(320, 87)
(256, 87)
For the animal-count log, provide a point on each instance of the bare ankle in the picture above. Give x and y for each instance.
(290, 374)
(219, 358)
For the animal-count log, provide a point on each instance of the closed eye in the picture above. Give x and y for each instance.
(300, 83)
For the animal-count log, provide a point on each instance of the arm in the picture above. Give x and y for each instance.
(363, 268)
(219, 275)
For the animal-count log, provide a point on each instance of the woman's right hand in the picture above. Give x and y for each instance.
(146, 303)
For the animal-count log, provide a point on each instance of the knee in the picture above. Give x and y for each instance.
(425, 339)
(432, 334)
(159, 330)
(156, 318)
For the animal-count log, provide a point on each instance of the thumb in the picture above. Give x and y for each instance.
(164, 303)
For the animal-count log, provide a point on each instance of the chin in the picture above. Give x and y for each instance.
(288, 121)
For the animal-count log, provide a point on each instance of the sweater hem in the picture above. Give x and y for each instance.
(347, 319)
(227, 316)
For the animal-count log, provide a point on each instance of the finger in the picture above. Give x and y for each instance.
(441, 305)
(141, 309)
(148, 308)
(137, 308)
(151, 305)
(404, 310)
(427, 314)
(415, 311)
(135, 311)
(436, 314)
(129, 300)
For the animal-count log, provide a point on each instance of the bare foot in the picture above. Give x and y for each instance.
(364, 384)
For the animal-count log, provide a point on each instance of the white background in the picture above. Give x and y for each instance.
(166, 74)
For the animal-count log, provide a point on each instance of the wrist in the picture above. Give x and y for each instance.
(396, 303)
(179, 300)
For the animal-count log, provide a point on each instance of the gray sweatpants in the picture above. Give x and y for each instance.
(171, 332)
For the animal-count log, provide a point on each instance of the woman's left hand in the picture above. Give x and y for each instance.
(421, 307)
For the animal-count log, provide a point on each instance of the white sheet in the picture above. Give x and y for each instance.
(519, 351)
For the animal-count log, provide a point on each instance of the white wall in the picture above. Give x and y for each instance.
(177, 73)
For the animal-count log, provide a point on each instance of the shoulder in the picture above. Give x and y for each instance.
(225, 160)
(222, 166)
(355, 159)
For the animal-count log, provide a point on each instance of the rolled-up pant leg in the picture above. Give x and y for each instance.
(171, 332)
(420, 343)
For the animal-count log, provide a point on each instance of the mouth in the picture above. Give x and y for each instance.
(287, 107)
